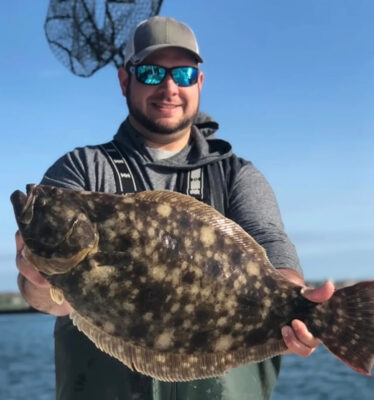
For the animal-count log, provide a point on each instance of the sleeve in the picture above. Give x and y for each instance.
(68, 171)
(252, 204)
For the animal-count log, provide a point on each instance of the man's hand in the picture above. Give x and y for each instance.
(33, 287)
(27, 269)
(297, 337)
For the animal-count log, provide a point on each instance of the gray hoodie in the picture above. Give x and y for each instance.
(251, 201)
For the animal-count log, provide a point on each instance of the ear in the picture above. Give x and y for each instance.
(200, 79)
(123, 77)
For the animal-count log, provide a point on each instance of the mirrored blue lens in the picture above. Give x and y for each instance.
(184, 76)
(150, 74)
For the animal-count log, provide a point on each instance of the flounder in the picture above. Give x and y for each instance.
(173, 289)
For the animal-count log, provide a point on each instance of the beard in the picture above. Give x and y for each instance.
(154, 126)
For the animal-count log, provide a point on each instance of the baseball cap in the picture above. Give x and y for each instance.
(156, 33)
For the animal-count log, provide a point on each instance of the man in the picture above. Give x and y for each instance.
(166, 144)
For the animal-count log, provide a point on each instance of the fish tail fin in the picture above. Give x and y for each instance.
(348, 331)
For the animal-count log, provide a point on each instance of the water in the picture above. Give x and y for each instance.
(27, 370)
(26, 357)
(321, 377)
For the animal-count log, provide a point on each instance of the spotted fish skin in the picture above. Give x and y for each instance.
(172, 288)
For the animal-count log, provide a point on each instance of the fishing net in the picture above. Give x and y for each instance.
(86, 35)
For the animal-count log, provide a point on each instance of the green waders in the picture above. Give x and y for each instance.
(85, 373)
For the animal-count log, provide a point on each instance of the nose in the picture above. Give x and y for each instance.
(168, 85)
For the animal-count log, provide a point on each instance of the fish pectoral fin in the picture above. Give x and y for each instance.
(56, 295)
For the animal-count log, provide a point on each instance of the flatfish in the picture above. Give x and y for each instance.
(172, 288)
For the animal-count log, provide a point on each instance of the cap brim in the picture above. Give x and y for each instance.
(149, 50)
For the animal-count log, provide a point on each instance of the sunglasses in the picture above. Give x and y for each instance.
(154, 74)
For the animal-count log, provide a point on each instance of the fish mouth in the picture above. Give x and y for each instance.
(24, 204)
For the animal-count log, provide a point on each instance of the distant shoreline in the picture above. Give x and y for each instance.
(13, 303)
(28, 310)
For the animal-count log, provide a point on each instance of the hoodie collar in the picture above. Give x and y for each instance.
(202, 149)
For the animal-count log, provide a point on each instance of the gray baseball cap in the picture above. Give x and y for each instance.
(156, 33)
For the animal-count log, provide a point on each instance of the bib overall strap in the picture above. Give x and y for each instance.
(123, 176)
(195, 184)
(206, 184)
(192, 182)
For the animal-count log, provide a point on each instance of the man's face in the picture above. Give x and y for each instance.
(165, 108)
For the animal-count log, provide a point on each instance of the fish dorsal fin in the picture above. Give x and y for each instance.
(205, 213)
(174, 366)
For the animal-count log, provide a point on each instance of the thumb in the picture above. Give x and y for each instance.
(320, 294)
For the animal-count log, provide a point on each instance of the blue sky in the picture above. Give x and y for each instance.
(290, 82)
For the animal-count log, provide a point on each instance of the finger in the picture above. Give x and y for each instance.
(66, 308)
(28, 270)
(19, 241)
(293, 344)
(30, 273)
(303, 335)
(320, 294)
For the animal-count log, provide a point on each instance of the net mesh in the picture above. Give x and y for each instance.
(86, 35)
